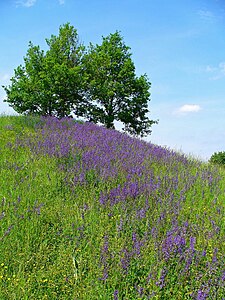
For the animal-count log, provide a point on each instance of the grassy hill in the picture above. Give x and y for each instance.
(91, 213)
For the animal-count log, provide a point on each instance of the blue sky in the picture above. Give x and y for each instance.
(179, 44)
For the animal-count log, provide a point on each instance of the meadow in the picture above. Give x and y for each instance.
(92, 213)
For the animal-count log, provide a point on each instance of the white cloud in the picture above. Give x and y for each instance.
(25, 3)
(206, 15)
(217, 72)
(210, 69)
(188, 108)
(29, 3)
(222, 67)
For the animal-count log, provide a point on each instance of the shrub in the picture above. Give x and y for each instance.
(218, 158)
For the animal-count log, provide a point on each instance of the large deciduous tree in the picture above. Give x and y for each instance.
(49, 83)
(114, 91)
(99, 84)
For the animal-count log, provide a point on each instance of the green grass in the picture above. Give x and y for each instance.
(56, 239)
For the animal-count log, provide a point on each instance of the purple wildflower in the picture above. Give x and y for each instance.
(161, 281)
(2, 215)
(115, 295)
(140, 291)
(174, 243)
(192, 243)
(201, 295)
(125, 259)
(204, 253)
(104, 258)
(120, 225)
(7, 231)
(214, 259)
(137, 244)
(223, 276)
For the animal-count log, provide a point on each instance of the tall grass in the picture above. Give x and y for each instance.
(91, 213)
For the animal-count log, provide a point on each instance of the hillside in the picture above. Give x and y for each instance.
(92, 213)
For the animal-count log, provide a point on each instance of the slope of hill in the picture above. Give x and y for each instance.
(91, 213)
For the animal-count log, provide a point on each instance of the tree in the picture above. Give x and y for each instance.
(218, 158)
(24, 92)
(49, 83)
(113, 89)
(99, 84)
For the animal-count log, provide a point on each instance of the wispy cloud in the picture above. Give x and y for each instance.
(25, 3)
(188, 108)
(206, 15)
(29, 3)
(217, 72)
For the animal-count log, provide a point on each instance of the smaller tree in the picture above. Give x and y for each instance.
(218, 158)
(114, 92)
(49, 83)
(24, 93)
(134, 115)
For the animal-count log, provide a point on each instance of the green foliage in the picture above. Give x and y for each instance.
(49, 83)
(218, 158)
(56, 240)
(116, 93)
(99, 85)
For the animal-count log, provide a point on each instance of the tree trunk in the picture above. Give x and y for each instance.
(110, 116)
